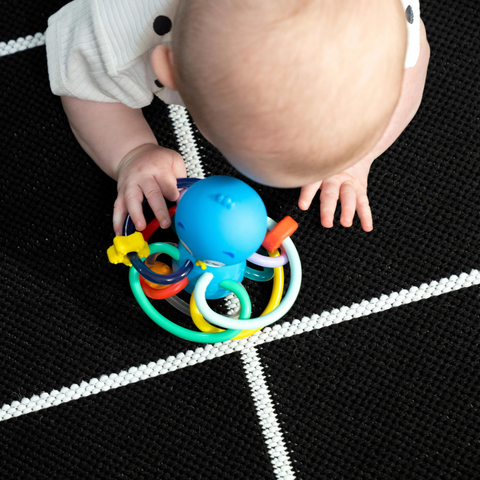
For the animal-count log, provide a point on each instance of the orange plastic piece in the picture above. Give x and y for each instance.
(162, 269)
(283, 229)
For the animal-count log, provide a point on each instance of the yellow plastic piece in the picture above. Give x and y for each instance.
(162, 269)
(135, 242)
(201, 264)
(275, 299)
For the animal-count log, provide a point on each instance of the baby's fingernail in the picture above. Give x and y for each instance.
(303, 205)
(164, 223)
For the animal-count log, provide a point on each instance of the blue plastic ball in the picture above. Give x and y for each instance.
(221, 220)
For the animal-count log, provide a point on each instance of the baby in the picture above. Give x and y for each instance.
(294, 93)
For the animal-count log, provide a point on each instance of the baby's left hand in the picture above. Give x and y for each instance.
(350, 187)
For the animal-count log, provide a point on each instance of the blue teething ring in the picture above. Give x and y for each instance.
(158, 278)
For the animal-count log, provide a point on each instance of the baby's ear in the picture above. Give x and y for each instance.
(162, 63)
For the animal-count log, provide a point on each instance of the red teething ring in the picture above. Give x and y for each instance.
(164, 293)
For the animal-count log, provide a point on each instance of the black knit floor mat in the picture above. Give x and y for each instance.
(390, 395)
(385, 397)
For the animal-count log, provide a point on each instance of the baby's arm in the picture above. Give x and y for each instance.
(350, 186)
(120, 141)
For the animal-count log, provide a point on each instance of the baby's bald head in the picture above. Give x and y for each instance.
(290, 91)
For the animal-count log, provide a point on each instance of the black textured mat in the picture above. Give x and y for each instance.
(174, 426)
(394, 395)
(67, 315)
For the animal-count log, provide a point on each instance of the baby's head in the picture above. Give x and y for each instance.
(290, 91)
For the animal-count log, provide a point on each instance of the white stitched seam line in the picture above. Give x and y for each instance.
(186, 141)
(21, 44)
(209, 352)
(262, 399)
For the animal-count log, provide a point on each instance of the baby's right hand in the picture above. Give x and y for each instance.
(152, 171)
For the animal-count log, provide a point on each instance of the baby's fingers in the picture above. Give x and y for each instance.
(133, 201)
(355, 199)
(168, 185)
(155, 199)
(306, 195)
(328, 202)
(364, 212)
(119, 214)
(348, 199)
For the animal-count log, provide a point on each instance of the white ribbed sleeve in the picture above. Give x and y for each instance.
(100, 50)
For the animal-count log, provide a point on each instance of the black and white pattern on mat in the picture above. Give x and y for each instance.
(374, 373)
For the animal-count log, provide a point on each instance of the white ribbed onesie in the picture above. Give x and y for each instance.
(100, 49)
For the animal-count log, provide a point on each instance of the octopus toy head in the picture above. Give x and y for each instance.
(221, 220)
